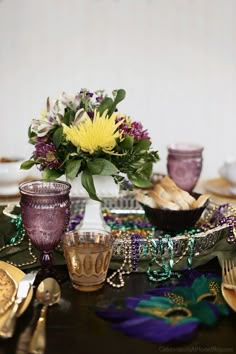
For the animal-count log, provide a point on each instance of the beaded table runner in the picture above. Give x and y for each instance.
(138, 247)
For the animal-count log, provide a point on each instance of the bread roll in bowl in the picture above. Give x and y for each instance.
(171, 209)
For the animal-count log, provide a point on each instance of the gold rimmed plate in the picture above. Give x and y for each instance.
(229, 296)
(220, 187)
(8, 288)
(16, 274)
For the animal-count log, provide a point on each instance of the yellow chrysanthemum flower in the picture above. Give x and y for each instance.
(91, 135)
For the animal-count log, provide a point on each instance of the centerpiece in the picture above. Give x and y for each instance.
(85, 135)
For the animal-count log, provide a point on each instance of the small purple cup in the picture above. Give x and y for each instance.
(184, 164)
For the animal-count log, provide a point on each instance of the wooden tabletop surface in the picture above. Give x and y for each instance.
(73, 326)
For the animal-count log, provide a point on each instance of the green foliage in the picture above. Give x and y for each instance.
(127, 143)
(51, 175)
(87, 183)
(109, 104)
(72, 168)
(142, 146)
(30, 133)
(120, 95)
(57, 137)
(26, 165)
(101, 167)
(139, 181)
(69, 116)
(105, 105)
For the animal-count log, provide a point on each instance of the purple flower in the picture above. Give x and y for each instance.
(138, 132)
(89, 94)
(46, 152)
(134, 129)
(99, 99)
(91, 114)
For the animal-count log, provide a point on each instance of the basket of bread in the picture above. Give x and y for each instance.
(171, 209)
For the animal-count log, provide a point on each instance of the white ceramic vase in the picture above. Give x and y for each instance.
(105, 188)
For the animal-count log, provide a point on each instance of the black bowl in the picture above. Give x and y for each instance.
(174, 220)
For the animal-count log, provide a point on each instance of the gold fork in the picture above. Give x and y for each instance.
(228, 286)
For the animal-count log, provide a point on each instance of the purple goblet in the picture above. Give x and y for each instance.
(184, 164)
(45, 210)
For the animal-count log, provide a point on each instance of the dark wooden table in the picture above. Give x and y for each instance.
(74, 328)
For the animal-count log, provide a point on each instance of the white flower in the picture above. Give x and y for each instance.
(80, 116)
(40, 127)
(72, 101)
(57, 108)
(49, 119)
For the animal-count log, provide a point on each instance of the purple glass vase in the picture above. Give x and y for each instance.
(45, 211)
(184, 164)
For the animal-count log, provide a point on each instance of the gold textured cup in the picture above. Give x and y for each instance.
(88, 253)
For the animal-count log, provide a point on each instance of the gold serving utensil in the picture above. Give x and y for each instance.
(228, 286)
(48, 293)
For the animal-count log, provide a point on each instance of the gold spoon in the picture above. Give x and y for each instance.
(48, 293)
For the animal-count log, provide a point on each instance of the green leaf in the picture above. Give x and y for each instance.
(69, 117)
(140, 181)
(51, 174)
(30, 133)
(88, 184)
(147, 169)
(142, 145)
(105, 104)
(66, 118)
(127, 143)
(72, 168)
(120, 95)
(101, 167)
(26, 165)
(57, 137)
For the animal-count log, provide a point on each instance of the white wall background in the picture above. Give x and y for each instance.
(175, 58)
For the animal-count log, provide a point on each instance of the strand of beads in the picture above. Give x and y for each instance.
(158, 250)
(126, 266)
(19, 235)
(135, 238)
(16, 240)
(226, 215)
(190, 248)
(231, 222)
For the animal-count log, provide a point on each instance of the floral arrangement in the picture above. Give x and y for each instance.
(86, 134)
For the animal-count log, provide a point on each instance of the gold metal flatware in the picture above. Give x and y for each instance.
(48, 293)
(228, 286)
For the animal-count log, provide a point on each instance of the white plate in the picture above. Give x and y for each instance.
(221, 187)
(9, 190)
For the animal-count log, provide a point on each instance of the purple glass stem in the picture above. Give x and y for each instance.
(46, 259)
